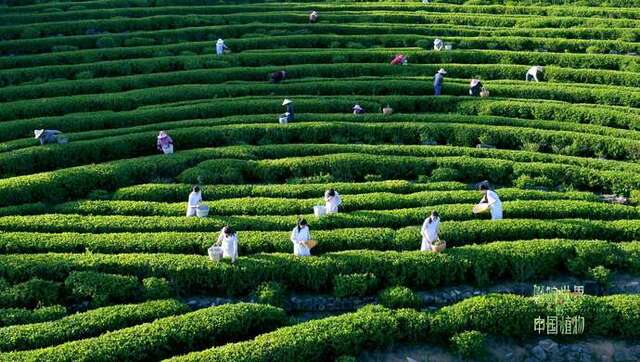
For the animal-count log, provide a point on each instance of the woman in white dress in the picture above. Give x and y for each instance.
(491, 198)
(228, 239)
(195, 198)
(299, 236)
(429, 231)
(332, 201)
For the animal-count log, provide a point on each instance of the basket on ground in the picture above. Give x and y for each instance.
(215, 253)
(202, 211)
(319, 210)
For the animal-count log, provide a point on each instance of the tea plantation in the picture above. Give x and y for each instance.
(99, 263)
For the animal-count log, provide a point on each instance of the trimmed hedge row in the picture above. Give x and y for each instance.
(279, 206)
(480, 264)
(175, 192)
(176, 21)
(88, 10)
(40, 159)
(172, 36)
(18, 316)
(354, 167)
(167, 336)
(160, 64)
(325, 41)
(342, 117)
(503, 315)
(86, 325)
(456, 233)
(551, 209)
(130, 92)
(78, 182)
(543, 110)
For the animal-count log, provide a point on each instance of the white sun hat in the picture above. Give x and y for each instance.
(37, 133)
(286, 101)
(442, 71)
(357, 107)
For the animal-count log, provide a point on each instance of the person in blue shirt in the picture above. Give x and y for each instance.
(437, 81)
(46, 136)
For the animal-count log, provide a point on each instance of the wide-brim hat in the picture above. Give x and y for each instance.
(474, 82)
(37, 133)
(286, 101)
(357, 107)
(442, 71)
(162, 134)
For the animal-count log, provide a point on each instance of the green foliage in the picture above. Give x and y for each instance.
(156, 288)
(102, 289)
(273, 293)
(469, 344)
(601, 275)
(399, 297)
(354, 285)
(16, 316)
(84, 325)
(30, 294)
(168, 336)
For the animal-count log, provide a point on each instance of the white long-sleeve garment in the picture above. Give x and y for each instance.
(429, 233)
(533, 72)
(195, 198)
(332, 203)
(229, 245)
(495, 205)
(298, 237)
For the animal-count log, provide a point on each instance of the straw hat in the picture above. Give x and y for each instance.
(286, 101)
(442, 71)
(37, 133)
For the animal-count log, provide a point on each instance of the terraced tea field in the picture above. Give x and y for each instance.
(99, 263)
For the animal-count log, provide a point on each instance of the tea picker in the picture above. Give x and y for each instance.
(429, 231)
(164, 143)
(49, 136)
(438, 78)
(226, 246)
(287, 116)
(301, 239)
(489, 202)
(332, 201)
(221, 47)
(438, 45)
(313, 17)
(475, 87)
(279, 76)
(195, 199)
(535, 73)
(399, 59)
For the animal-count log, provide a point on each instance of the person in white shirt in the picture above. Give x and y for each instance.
(229, 241)
(534, 72)
(429, 231)
(299, 236)
(195, 198)
(332, 201)
(438, 45)
(490, 197)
